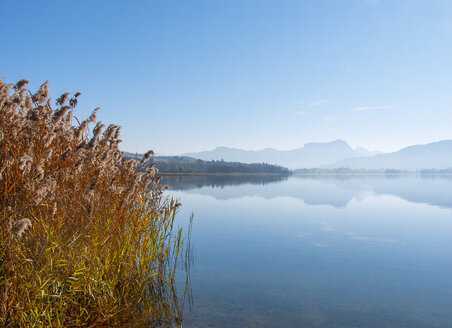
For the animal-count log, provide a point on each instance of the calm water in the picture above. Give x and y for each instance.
(320, 251)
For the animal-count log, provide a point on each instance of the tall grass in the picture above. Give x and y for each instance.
(86, 239)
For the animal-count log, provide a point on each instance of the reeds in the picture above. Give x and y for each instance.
(86, 239)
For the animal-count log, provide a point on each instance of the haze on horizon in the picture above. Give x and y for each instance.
(190, 76)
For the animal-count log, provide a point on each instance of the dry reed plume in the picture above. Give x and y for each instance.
(86, 240)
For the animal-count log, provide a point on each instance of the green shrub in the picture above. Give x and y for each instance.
(85, 238)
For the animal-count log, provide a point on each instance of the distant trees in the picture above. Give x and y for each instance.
(178, 164)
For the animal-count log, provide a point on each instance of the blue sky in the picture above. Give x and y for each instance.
(184, 76)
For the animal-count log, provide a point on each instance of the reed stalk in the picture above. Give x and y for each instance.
(86, 239)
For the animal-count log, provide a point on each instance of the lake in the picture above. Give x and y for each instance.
(321, 251)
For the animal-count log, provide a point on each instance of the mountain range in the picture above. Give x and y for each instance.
(337, 154)
(310, 155)
(436, 155)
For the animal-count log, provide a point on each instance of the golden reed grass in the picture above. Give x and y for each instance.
(86, 239)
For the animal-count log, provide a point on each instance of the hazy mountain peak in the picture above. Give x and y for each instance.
(360, 151)
(339, 141)
(334, 142)
(435, 155)
(225, 148)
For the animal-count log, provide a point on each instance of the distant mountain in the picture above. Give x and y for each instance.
(436, 155)
(310, 155)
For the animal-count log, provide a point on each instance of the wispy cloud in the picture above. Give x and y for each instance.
(318, 102)
(371, 108)
(387, 240)
(305, 108)
(375, 239)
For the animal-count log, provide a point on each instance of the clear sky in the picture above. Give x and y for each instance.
(184, 76)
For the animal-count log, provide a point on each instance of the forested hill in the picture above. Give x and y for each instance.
(187, 165)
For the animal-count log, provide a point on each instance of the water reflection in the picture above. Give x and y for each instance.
(273, 255)
(219, 180)
(334, 190)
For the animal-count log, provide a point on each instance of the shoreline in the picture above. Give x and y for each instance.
(373, 174)
(222, 174)
(306, 174)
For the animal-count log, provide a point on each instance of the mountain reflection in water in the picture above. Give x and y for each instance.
(319, 251)
(334, 190)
